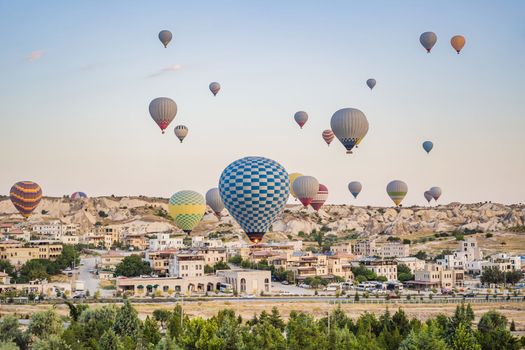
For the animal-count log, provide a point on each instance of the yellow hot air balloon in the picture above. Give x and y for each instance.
(457, 42)
(187, 209)
(292, 177)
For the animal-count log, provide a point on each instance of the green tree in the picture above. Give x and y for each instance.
(464, 339)
(303, 333)
(162, 316)
(127, 322)
(7, 267)
(175, 324)
(493, 334)
(45, 324)
(10, 331)
(421, 255)
(110, 341)
(132, 266)
(8, 345)
(426, 338)
(492, 275)
(151, 333)
(276, 320)
(69, 257)
(363, 271)
(52, 342)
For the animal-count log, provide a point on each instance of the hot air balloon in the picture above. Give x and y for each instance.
(457, 42)
(25, 196)
(428, 40)
(255, 191)
(78, 196)
(293, 177)
(214, 88)
(305, 188)
(355, 188)
(214, 201)
(163, 110)
(371, 83)
(350, 126)
(301, 118)
(436, 192)
(187, 209)
(320, 197)
(181, 131)
(397, 190)
(328, 136)
(428, 145)
(165, 37)
(428, 196)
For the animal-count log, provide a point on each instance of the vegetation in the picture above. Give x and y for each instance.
(110, 327)
(132, 266)
(403, 273)
(493, 275)
(362, 274)
(221, 265)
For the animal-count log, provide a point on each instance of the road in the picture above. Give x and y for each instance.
(91, 281)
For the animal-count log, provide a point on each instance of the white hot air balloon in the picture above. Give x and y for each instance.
(397, 190)
(181, 131)
(165, 37)
(305, 188)
(350, 126)
(214, 201)
(214, 88)
(163, 110)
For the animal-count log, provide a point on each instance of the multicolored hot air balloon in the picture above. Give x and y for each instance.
(427, 146)
(78, 196)
(163, 110)
(328, 136)
(355, 188)
(306, 187)
(181, 131)
(301, 118)
(397, 190)
(320, 197)
(214, 88)
(428, 196)
(371, 83)
(457, 42)
(350, 126)
(293, 177)
(435, 192)
(25, 196)
(255, 191)
(187, 209)
(428, 40)
(165, 37)
(214, 201)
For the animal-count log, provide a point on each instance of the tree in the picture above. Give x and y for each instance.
(276, 320)
(162, 316)
(127, 322)
(7, 267)
(45, 324)
(513, 277)
(464, 339)
(52, 342)
(493, 334)
(68, 257)
(110, 341)
(492, 275)
(10, 331)
(302, 332)
(151, 332)
(7, 345)
(132, 266)
(426, 338)
(363, 271)
(421, 255)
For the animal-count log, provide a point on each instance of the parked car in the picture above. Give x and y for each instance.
(285, 283)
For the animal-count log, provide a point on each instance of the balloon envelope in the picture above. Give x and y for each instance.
(78, 195)
(25, 196)
(457, 42)
(397, 191)
(371, 83)
(306, 187)
(214, 88)
(436, 192)
(320, 198)
(293, 177)
(328, 136)
(187, 209)
(428, 40)
(214, 201)
(165, 37)
(301, 118)
(163, 110)
(350, 126)
(427, 146)
(355, 188)
(255, 191)
(428, 196)
(181, 131)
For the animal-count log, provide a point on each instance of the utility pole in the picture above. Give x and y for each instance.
(328, 313)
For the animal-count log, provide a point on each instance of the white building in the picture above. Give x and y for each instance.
(55, 229)
(163, 241)
(412, 263)
(392, 250)
(244, 281)
(188, 264)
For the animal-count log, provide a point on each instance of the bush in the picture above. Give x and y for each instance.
(488, 235)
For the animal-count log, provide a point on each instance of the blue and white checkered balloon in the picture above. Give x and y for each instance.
(255, 191)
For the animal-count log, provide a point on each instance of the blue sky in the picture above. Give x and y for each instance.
(77, 78)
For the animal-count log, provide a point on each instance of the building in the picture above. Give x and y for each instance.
(68, 239)
(160, 260)
(168, 286)
(4, 278)
(243, 281)
(343, 248)
(201, 242)
(365, 247)
(187, 264)
(109, 261)
(385, 268)
(340, 265)
(55, 229)
(19, 234)
(37, 287)
(412, 263)
(211, 255)
(468, 250)
(437, 276)
(164, 241)
(392, 250)
(18, 253)
(137, 241)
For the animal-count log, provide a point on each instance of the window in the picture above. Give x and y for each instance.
(243, 285)
(266, 285)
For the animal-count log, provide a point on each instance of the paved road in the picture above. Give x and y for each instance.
(91, 281)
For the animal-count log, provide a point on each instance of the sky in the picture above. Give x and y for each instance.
(76, 79)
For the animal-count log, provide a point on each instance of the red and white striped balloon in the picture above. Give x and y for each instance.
(328, 136)
(320, 197)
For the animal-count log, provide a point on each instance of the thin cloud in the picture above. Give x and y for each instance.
(166, 70)
(88, 67)
(35, 55)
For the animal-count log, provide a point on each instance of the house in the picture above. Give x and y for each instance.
(244, 281)
(385, 268)
(187, 264)
(164, 241)
(437, 276)
(411, 262)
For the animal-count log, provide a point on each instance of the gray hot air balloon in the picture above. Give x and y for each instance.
(397, 190)
(371, 83)
(214, 88)
(301, 118)
(181, 131)
(436, 192)
(305, 188)
(355, 188)
(428, 196)
(350, 126)
(165, 37)
(428, 40)
(163, 110)
(214, 201)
